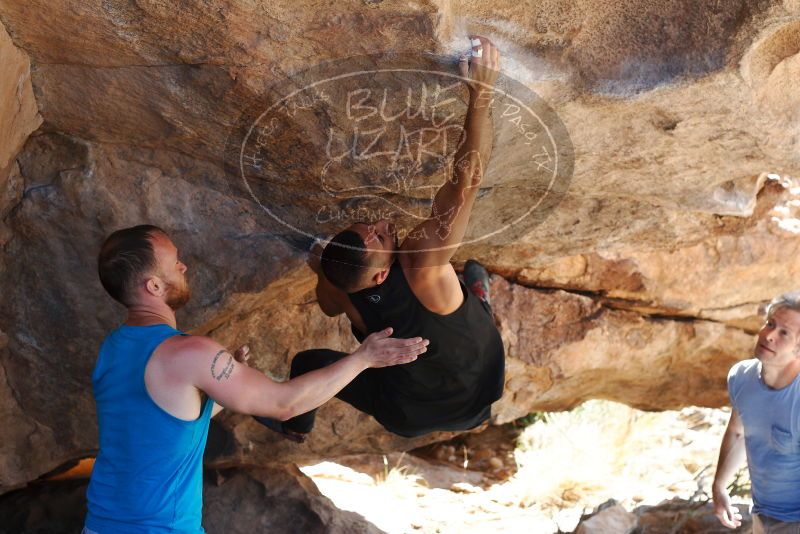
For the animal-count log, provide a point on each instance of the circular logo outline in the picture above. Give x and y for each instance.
(495, 89)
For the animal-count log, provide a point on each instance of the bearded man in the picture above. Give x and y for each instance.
(156, 389)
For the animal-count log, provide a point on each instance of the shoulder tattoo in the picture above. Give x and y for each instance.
(222, 367)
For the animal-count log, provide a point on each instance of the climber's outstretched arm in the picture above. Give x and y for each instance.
(439, 236)
(205, 364)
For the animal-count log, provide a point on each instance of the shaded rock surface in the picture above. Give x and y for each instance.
(238, 500)
(275, 500)
(642, 286)
(55, 507)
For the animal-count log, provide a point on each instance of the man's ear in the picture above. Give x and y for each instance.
(380, 276)
(155, 286)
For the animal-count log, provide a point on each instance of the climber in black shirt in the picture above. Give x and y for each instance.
(412, 287)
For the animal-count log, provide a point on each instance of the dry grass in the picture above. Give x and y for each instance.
(576, 460)
(569, 463)
(398, 478)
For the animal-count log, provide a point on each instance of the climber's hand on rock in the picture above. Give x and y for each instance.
(315, 256)
(481, 66)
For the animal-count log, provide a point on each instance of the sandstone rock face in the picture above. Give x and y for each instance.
(19, 116)
(723, 278)
(18, 110)
(566, 348)
(643, 285)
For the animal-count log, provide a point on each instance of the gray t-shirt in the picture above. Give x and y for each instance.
(771, 419)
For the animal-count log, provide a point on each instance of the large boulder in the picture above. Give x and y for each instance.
(640, 281)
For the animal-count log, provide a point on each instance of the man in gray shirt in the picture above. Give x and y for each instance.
(764, 426)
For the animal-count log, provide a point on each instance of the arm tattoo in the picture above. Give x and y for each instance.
(226, 370)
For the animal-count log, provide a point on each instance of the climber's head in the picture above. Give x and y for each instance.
(360, 256)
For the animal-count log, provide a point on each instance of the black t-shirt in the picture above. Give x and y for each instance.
(452, 385)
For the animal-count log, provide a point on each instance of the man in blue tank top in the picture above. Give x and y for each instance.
(377, 282)
(156, 389)
(764, 426)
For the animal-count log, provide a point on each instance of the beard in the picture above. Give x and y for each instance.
(178, 296)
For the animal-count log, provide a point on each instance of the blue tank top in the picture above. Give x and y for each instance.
(148, 475)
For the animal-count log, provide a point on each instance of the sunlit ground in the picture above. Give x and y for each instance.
(569, 463)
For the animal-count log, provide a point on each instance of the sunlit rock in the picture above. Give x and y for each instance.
(641, 282)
